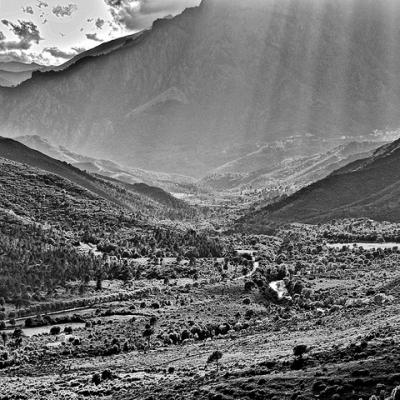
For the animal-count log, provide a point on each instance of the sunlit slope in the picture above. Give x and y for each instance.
(365, 188)
(278, 164)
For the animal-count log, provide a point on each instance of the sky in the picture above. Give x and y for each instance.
(49, 32)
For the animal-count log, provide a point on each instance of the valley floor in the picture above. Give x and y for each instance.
(341, 310)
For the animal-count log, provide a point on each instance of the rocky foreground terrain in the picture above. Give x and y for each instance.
(291, 316)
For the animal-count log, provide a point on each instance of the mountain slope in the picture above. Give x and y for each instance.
(169, 182)
(365, 188)
(211, 85)
(136, 199)
(15, 151)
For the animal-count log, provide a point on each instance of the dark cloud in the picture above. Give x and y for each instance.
(79, 50)
(93, 36)
(42, 4)
(2, 37)
(58, 53)
(64, 11)
(14, 45)
(99, 23)
(28, 10)
(139, 14)
(27, 32)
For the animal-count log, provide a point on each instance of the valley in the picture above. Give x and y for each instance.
(205, 207)
(109, 291)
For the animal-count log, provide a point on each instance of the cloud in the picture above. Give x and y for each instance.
(165, 6)
(99, 23)
(27, 32)
(79, 50)
(11, 56)
(27, 10)
(93, 36)
(64, 11)
(42, 4)
(58, 53)
(2, 37)
(139, 14)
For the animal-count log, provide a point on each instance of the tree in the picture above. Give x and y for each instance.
(96, 378)
(300, 350)
(147, 333)
(125, 274)
(55, 330)
(215, 357)
(17, 333)
(99, 281)
(4, 337)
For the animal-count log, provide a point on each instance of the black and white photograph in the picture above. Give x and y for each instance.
(200, 199)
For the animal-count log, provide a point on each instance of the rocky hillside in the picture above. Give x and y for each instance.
(365, 188)
(210, 85)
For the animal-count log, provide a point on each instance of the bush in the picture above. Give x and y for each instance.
(55, 330)
(96, 378)
(29, 323)
(214, 358)
(68, 330)
(300, 350)
(106, 374)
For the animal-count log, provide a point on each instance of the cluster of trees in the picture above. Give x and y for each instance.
(161, 242)
(35, 259)
(360, 230)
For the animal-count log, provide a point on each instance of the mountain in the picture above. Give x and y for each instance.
(369, 187)
(13, 73)
(146, 200)
(220, 80)
(278, 165)
(106, 168)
